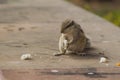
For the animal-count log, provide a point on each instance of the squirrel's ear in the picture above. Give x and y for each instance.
(72, 21)
(67, 23)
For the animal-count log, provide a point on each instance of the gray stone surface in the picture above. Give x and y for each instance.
(32, 26)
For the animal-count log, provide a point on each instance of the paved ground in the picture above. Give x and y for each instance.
(32, 26)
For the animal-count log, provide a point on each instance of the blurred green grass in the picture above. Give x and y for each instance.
(110, 15)
(104, 10)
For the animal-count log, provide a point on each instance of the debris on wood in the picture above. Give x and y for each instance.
(103, 60)
(21, 28)
(26, 57)
(91, 73)
(107, 64)
(118, 64)
(54, 71)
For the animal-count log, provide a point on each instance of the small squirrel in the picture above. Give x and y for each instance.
(72, 39)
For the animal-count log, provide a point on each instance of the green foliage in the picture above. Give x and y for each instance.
(110, 15)
(87, 7)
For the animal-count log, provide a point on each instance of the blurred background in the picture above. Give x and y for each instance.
(108, 9)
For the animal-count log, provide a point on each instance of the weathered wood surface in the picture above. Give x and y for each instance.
(32, 26)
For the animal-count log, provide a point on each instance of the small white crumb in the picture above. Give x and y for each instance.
(26, 57)
(91, 73)
(107, 64)
(103, 60)
(54, 71)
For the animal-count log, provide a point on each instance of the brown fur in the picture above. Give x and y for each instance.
(75, 36)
